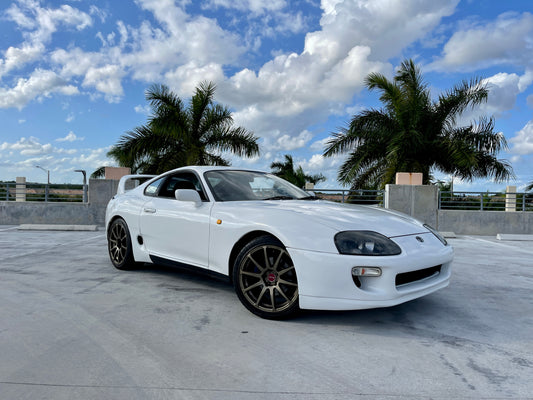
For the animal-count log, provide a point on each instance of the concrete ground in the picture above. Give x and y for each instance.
(73, 327)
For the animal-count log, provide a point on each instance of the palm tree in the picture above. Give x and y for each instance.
(177, 135)
(530, 186)
(296, 176)
(413, 133)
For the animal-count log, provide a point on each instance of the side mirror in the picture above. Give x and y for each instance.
(189, 195)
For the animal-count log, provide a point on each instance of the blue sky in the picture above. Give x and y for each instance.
(73, 73)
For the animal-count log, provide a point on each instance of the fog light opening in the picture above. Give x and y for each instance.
(366, 271)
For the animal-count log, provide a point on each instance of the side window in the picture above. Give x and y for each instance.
(151, 189)
(182, 180)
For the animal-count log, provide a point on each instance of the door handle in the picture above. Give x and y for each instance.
(149, 210)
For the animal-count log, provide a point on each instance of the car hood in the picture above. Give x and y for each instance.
(341, 217)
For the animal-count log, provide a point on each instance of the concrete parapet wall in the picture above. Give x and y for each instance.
(421, 202)
(91, 213)
(16, 213)
(488, 223)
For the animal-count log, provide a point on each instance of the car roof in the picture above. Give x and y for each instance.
(204, 168)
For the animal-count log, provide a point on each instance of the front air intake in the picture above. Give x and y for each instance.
(414, 276)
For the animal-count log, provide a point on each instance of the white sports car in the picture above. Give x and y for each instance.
(282, 248)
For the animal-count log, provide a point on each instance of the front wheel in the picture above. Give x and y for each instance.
(119, 245)
(265, 279)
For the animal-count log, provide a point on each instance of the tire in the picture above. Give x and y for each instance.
(119, 245)
(265, 279)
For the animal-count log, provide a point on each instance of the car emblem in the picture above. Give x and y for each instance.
(420, 239)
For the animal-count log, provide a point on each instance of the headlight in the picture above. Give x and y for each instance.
(437, 234)
(365, 243)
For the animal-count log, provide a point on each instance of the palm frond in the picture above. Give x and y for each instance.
(234, 139)
(98, 173)
(200, 101)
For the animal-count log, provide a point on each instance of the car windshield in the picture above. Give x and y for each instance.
(228, 185)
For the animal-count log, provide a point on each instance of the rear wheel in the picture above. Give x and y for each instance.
(265, 279)
(119, 245)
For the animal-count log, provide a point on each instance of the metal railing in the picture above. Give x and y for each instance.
(369, 197)
(11, 191)
(485, 201)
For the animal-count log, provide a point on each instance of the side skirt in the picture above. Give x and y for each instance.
(191, 268)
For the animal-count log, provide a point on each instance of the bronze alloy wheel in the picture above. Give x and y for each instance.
(265, 279)
(119, 245)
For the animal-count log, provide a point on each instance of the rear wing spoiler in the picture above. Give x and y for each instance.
(128, 182)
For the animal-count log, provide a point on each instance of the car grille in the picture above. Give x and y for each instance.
(414, 276)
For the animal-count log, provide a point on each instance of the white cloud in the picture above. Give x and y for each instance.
(261, 18)
(142, 109)
(92, 158)
(503, 89)
(71, 137)
(41, 83)
(276, 141)
(28, 147)
(183, 38)
(523, 141)
(16, 57)
(253, 6)
(107, 80)
(288, 143)
(385, 26)
(15, 14)
(319, 145)
(529, 100)
(185, 79)
(101, 14)
(507, 40)
(38, 25)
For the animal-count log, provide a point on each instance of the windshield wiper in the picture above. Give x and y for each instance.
(280, 198)
(309, 198)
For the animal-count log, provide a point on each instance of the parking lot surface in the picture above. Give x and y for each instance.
(73, 327)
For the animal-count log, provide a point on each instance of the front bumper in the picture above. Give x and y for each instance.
(325, 280)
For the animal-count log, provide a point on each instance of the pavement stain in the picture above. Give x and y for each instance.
(522, 362)
(21, 271)
(492, 376)
(203, 322)
(456, 371)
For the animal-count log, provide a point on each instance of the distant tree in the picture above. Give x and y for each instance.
(296, 176)
(413, 133)
(444, 186)
(177, 135)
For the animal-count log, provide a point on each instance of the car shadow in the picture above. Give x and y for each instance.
(189, 275)
(419, 317)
